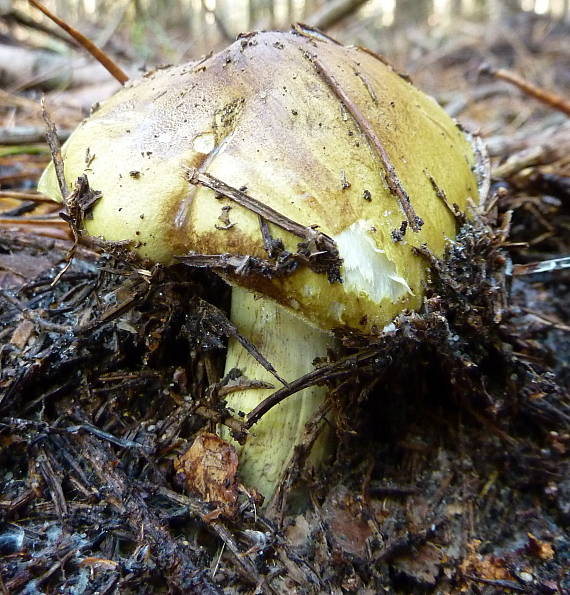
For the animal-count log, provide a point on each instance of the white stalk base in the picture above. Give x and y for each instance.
(291, 345)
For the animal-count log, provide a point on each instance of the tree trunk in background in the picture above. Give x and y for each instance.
(311, 6)
(503, 8)
(411, 12)
(251, 12)
(270, 8)
(480, 9)
(139, 10)
(240, 15)
(198, 31)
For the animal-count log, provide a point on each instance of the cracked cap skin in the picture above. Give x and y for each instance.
(258, 115)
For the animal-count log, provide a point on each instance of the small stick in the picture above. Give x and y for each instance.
(256, 206)
(31, 221)
(69, 200)
(341, 367)
(547, 97)
(220, 320)
(239, 264)
(537, 155)
(26, 196)
(122, 442)
(27, 135)
(115, 70)
(547, 320)
(440, 193)
(391, 177)
(545, 266)
(55, 148)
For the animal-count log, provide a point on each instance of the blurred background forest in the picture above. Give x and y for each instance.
(177, 30)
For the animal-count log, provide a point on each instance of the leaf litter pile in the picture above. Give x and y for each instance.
(451, 472)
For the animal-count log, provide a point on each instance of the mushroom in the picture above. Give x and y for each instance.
(306, 173)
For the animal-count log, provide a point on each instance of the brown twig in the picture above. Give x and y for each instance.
(547, 320)
(440, 193)
(115, 70)
(55, 148)
(53, 483)
(318, 376)
(501, 583)
(240, 264)
(68, 200)
(391, 177)
(256, 206)
(234, 424)
(219, 320)
(537, 155)
(26, 196)
(313, 33)
(55, 567)
(272, 246)
(547, 97)
(318, 250)
(31, 221)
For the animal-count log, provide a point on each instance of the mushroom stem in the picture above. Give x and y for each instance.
(291, 345)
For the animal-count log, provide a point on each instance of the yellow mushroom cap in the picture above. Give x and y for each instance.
(274, 113)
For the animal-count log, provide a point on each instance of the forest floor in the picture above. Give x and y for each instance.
(451, 473)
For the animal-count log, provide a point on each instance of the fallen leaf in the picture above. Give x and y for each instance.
(209, 468)
(22, 334)
(540, 549)
(349, 529)
(487, 567)
(18, 268)
(423, 566)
